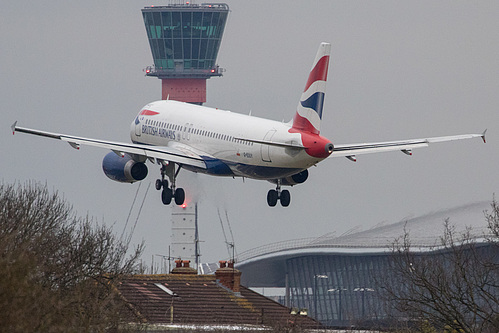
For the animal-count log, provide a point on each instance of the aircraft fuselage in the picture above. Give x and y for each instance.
(231, 144)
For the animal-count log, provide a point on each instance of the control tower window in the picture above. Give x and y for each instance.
(184, 39)
(197, 27)
(166, 21)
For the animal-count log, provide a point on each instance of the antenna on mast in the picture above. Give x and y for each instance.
(231, 246)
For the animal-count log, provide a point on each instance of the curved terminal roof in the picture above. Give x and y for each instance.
(267, 263)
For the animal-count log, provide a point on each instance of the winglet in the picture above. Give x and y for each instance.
(483, 136)
(13, 127)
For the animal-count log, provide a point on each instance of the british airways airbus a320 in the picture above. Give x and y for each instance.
(178, 135)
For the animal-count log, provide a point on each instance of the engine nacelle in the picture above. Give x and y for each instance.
(123, 169)
(297, 178)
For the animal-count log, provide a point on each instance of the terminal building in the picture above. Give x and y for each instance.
(184, 40)
(336, 277)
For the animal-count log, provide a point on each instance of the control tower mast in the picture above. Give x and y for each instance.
(185, 39)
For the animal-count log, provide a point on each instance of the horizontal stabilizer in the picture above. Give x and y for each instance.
(406, 146)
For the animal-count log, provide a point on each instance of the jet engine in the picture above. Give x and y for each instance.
(297, 178)
(123, 169)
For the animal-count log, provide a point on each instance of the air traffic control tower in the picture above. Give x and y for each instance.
(185, 39)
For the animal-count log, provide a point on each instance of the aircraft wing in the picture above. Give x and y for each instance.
(351, 150)
(152, 152)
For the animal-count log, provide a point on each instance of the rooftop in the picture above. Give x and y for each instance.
(425, 232)
(186, 5)
(192, 299)
(265, 266)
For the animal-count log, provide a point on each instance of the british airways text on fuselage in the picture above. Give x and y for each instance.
(156, 131)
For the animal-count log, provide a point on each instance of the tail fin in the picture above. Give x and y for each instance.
(309, 111)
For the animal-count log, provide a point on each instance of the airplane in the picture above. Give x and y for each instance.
(177, 135)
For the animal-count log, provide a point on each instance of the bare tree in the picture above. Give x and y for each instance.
(492, 219)
(57, 270)
(453, 285)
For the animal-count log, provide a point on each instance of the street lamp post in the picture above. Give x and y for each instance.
(339, 290)
(318, 276)
(363, 291)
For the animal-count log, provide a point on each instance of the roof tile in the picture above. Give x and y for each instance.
(199, 299)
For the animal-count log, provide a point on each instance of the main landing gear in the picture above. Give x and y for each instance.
(275, 195)
(171, 192)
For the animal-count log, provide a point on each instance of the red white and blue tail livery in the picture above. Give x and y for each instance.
(176, 135)
(309, 111)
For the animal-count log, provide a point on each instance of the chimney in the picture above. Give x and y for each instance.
(229, 277)
(182, 267)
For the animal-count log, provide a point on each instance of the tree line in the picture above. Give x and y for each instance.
(58, 270)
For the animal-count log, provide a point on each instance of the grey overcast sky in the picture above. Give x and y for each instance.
(399, 69)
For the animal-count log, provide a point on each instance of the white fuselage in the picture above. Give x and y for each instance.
(247, 145)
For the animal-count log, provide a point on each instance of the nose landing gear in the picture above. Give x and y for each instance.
(275, 195)
(169, 193)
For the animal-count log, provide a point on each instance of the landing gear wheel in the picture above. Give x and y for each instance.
(161, 184)
(285, 198)
(272, 198)
(166, 196)
(169, 170)
(179, 196)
